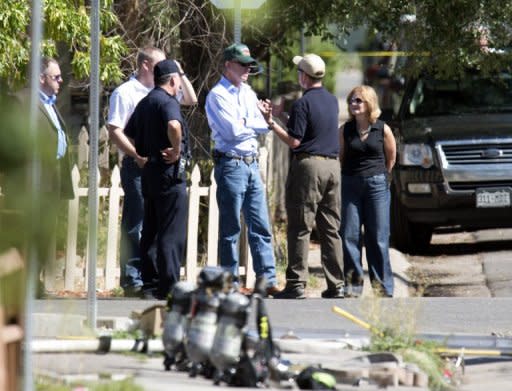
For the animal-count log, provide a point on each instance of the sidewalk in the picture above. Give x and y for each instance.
(399, 265)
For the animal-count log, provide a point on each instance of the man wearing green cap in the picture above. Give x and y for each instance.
(235, 121)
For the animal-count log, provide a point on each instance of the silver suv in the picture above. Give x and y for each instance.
(454, 163)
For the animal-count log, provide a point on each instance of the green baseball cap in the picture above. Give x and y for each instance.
(239, 52)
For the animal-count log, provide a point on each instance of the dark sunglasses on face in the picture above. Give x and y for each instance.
(55, 77)
(243, 65)
(356, 101)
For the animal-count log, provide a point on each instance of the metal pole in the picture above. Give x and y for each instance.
(94, 90)
(237, 21)
(35, 182)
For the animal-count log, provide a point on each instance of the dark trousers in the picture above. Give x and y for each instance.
(131, 224)
(165, 220)
(313, 196)
(366, 202)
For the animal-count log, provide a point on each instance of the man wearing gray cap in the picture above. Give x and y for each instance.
(313, 184)
(235, 121)
(160, 134)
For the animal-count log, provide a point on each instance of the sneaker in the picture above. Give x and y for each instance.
(333, 293)
(353, 291)
(293, 292)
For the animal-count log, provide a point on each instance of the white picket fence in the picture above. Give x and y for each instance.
(71, 270)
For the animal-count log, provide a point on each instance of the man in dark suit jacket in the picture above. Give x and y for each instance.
(51, 137)
(53, 175)
(52, 126)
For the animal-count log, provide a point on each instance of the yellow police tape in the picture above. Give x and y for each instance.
(472, 352)
(377, 53)
(356, 320)
(440, 350)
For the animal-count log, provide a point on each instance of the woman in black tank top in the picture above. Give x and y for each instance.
(368, 152)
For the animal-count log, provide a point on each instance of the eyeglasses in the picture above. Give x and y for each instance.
(356, 101)
(243, 65)
(300, 70)
(55, 77)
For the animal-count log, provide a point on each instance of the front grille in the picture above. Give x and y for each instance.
(485, 153)
(472, 186)
(478, 163)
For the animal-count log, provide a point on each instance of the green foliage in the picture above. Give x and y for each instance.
(43, 384)
(422, 353)
(450, 31)
(66, 22)
(394, 331)
(124, 334)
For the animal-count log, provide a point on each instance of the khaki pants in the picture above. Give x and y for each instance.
(313, 195)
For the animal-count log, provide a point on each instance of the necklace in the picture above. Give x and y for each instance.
(364, 132)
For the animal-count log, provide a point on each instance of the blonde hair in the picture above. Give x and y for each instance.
(369, 95)
(147, 54)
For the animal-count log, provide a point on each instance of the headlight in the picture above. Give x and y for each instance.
(416, 155)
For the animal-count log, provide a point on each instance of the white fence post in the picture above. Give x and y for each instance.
(114, 197)
(213, 224)
(102, 192)
(71, 242)
(83, 147)
(193, 225)
(115, 192)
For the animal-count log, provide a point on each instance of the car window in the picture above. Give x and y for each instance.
(473, 93)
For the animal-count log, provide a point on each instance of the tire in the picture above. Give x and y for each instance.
(406, 236)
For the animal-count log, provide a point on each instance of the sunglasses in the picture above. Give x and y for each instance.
(55, 77)
(244, 65)
(356, 101)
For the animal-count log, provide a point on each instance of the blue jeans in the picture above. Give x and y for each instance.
(131, 224)
(365, 201)
(239, 187)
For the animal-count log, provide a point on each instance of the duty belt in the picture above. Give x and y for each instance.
(305, 155)
(247, 159)
(155, 159)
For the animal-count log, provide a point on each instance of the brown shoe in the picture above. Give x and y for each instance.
(245, 291)
(272, 290)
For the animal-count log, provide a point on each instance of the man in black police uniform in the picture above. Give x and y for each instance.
(159, 133)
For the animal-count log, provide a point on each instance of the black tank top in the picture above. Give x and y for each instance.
(363, 158)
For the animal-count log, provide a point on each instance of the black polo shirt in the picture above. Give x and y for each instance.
(314, 121)
(149, 122)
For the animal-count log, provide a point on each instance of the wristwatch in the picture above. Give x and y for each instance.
(271, 125)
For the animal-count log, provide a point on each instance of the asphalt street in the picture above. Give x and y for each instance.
(314, 317)
(320, 335)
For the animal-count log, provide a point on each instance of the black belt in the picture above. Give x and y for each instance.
(247, 159)
(305, 155)
(155, 159)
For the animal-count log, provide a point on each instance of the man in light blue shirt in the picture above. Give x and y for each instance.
(53, 127)
(54, 177)
(235, 120)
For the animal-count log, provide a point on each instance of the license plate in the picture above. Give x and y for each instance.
(492, 198)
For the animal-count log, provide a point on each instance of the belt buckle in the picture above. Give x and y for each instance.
(249, 159)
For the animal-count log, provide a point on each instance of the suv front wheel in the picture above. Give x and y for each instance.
(407, 236)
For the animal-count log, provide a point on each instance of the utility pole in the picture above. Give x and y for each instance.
(237, 7)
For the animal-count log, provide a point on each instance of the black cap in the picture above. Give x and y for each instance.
(165, 67)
